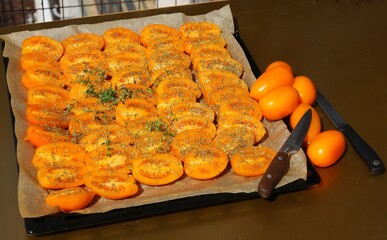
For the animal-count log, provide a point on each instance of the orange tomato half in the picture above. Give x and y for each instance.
(271, 79)
(70, 199)
(279, 103)
(252, 161)
(306, 89)
(315, 124)
(326, 148)
(157, 169)
(111, 184)
(205, 163)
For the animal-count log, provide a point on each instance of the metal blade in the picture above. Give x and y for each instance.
(333, 115)
(296, 138)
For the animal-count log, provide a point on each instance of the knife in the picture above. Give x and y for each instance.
(371, 159)
(279, 166)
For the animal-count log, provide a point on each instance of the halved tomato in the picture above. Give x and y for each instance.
(223, 63)
(190, 43)
(42, 75)
(193, 122)
(176, 95)
(111, 184)
(120, 62)
(90, 57)
(113, 157)
(145, 125)
(106, 135)
(70, 199)
(155, 32)
(83, 42)
(59, 153)
(199, 29)
(83, 123)
(180, 110)
(49, 96)
(85, 73)
(172, 43)
(169, 71)
(232, 138)
(215, 99)
(49, 116)
(36, 59)
(118, 34)
(136, 91)
(208, 50)
(205, 163)
(44, 45)
(158, 60)
(250, 122)
(133, 75)
(61, 176)
(124, 46)
(186, 140)
(154, 142)
(157, 169)
(252, 161)
(134, 108)
(240, 105)
(41, 135)
(183, 82)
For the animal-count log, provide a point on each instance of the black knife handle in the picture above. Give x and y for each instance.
(278, 167)
(369, 156)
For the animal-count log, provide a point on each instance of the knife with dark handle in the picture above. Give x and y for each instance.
(279, 166)
(369, 156)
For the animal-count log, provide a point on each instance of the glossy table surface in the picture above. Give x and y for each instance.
(341, 45)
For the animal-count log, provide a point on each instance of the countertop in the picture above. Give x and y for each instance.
(341, 46)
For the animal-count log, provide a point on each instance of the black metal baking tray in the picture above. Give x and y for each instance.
(61, 222)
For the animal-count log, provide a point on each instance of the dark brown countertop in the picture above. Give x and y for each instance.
(341, 45)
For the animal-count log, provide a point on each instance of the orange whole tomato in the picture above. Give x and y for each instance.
(326, 148)
(315, 124)
(279, 63)
(271, 79)
(279, 102)
(306, 89)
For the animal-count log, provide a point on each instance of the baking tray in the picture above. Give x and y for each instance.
(61, 222)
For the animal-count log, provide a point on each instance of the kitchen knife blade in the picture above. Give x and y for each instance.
(369, 156)
(279, 166)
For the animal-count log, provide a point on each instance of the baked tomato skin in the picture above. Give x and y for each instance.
(49, 116)
(43, 44)
(205, 163)
(70, 199)
(252, 161)
(61, 176)
(48, 95)
(157, 169)
(41, 135)
(269, 80)
(326, 148)
(57, 154)
(111, 184)
(279, 103)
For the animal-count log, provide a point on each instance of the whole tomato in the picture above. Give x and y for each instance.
(315, 124)
(270, 79)
(326, 148)
(279, 102)
(306, 89)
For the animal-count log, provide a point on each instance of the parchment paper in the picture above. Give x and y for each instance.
(32, 196)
